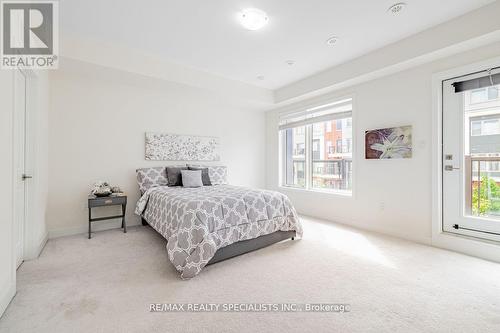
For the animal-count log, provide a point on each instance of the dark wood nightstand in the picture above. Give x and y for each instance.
(107, 201)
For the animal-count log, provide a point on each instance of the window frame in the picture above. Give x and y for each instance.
(308, 187)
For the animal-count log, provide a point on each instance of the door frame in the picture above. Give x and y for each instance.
(465, 244)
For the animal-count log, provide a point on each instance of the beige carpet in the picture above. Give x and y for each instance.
(106, 285)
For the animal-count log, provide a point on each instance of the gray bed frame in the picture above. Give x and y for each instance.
(246, 246)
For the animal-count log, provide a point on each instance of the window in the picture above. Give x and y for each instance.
(485, 127)
(493, 92)
(348, 143)
(490, 127)
(484, 94)
(339, 125)
(339, 145)
(478, 96)
(317, 153)
(331, 149)
(296, 158)
(325, 159)
(475, 127)
(300, 149)
(329, 171)
(492, 166)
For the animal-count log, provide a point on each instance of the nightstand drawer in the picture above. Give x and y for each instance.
(107, 201)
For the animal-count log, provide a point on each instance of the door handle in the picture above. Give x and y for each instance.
(26, 176)
(450, 168)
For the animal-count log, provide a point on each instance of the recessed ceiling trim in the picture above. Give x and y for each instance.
(353, 73)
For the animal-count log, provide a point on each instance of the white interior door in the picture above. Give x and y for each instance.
(471, 156)
(20, 94)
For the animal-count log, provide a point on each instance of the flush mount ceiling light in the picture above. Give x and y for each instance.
(397, 8)
(260, 77)
(332, 41)
(253, 18)
(290, 62)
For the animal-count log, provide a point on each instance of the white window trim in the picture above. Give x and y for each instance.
(465, 244)
(308, 158)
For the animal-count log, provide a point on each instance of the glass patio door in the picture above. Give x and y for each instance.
(471, 155)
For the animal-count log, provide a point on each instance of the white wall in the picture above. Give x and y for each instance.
(98, 119)
(7, 263)
(390, 196)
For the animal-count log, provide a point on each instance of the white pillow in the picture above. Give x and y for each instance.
(191, 178)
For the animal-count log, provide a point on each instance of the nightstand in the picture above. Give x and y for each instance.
(116, 200)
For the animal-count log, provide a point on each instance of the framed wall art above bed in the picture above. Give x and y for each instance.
(175, 147)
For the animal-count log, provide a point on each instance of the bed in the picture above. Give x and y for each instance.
(205, 225)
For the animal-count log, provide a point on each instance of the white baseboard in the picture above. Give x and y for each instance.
(42, 244)
(467, 245)
(6, 295)
(82, 229)
(371, 228)
(487, 250)
(37, 249)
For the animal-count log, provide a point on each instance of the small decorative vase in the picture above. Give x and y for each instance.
(116, 189)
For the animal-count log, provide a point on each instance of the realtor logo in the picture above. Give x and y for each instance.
(29, 34)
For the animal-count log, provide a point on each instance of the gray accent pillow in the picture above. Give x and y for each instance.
(191, 178)
(174, 175)
(205, 178)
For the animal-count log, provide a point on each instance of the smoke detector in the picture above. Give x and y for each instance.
(397, 8)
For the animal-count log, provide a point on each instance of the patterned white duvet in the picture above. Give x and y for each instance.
(198, 221)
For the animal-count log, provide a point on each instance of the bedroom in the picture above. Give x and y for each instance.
(293, 98)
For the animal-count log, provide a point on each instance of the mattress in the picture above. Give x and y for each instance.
(196, 222)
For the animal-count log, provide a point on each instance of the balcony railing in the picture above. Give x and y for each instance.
(332, 173)
(482, 186)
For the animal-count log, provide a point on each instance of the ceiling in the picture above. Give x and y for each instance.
(207, 36)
